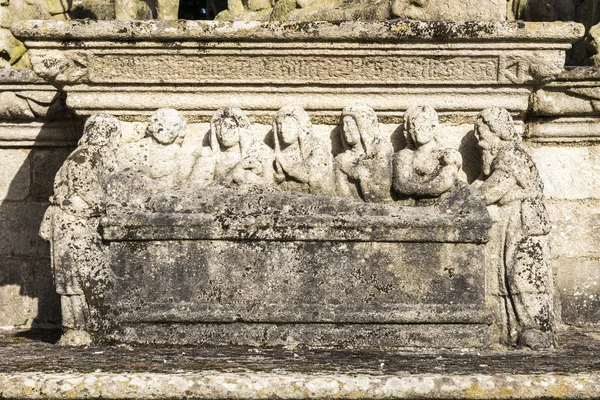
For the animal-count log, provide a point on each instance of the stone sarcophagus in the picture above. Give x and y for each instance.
(269, 268)
(217, 238)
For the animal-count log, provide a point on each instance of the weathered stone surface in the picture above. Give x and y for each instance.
(357, 55)
(336, 10)
(299, 386)
(368, 283)
(424, 168)
(34, 369)
(523, 277)
(575, 222)
(20, 222)
(24, 96)
(236, 233)
(566, 109)
(27, 294)
(15, 175)
(569, 172)
(579, 283)
(45, 165)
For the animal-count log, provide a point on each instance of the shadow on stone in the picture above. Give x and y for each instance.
(33, 146)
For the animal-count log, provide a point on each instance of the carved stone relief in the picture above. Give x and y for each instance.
(134, 9)
(424, 169)
(298, 185)
(330, 10)
(512, 183)
(30, 105)
(80, 266)
(301, 163)
(363, 170)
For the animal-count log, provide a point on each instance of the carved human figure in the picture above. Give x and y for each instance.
(423, 168)
(512, 182)
(238, 158)
(160, 161)
(364, 169)
(71, 226)
(301, 164)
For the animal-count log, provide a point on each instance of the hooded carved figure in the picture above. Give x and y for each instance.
(301, 163)
(512, 185)
(71, 226)
(364, 169)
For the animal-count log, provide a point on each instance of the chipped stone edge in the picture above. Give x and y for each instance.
(380, 31)
(261, 385)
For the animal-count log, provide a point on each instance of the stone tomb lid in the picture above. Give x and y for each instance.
(254, 213)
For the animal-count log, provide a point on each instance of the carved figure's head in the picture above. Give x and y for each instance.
(100, 129)
(420, 124)
(360, 126)
(411, 9)
(228, 127)
(166, 125)
(494, 131)
(294, 126)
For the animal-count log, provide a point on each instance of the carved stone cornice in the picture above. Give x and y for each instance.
(134, 67)
(568, 108)
(33, 112)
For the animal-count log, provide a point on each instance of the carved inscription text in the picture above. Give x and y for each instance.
(372, 69)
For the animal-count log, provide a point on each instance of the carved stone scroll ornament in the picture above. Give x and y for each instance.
(512, 182)
(424, 169)
(80, 266)
(56, 67)
(31, 105)
(301, 163)
(364, 169)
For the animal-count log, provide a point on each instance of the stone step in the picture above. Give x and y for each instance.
(33, 368)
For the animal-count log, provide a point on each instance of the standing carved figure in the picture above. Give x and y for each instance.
(238, 158)
(301, 164)
(512, 182)
(364, 169)
(424, 169)
(71, 226)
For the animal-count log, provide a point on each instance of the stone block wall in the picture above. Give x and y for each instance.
(571, 174)
(33, 144)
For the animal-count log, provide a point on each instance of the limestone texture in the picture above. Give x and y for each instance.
(34, 369)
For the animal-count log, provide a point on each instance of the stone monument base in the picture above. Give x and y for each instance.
(33, 369)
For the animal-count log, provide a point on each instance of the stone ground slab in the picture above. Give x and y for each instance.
(33, 368)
